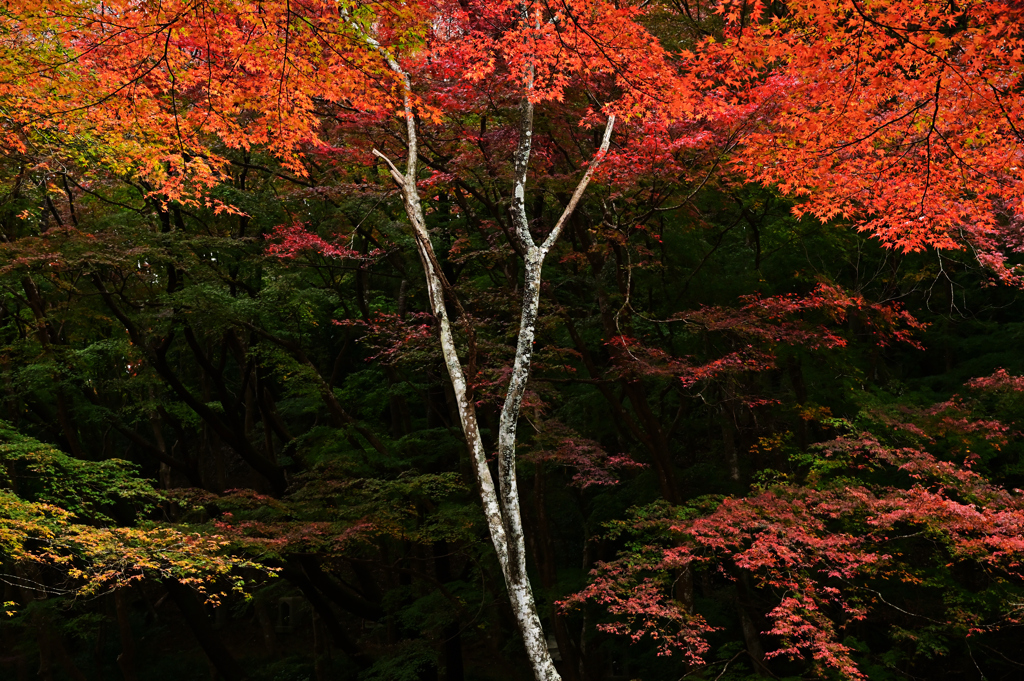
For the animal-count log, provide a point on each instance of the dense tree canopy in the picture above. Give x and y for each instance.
(510, 340)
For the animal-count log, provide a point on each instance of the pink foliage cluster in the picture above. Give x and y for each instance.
(592, 464)
(1000, 381)
(643, 610)
(814, 546)
(393, 337)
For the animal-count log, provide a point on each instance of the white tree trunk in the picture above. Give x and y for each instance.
(504, 519)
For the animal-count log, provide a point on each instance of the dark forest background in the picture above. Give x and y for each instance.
(296, 403)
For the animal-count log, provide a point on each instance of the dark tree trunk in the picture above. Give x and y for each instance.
(198, 621)
(126, 660)
(452, 632)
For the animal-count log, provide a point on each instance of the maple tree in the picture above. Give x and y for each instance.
(902, 116)
(184, 76)
(55, 516)
(826, 548)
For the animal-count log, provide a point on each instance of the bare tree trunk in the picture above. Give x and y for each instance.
(501, 507)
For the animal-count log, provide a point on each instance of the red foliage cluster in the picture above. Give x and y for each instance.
(761, 324)
(278, 538)
(593, 465)
(952, 420)
(294, 241)
(394, 337)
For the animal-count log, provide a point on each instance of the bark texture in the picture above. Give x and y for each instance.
(501, 505)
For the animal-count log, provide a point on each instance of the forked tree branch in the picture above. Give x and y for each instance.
(501, 506)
